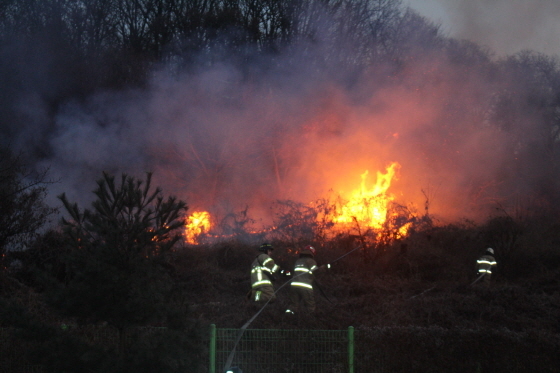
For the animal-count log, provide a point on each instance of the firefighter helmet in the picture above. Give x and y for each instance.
(490, 251)
(265, 247)
(310, 250)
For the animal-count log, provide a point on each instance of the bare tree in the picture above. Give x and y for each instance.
(22, 210)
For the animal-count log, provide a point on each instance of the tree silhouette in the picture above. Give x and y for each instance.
(116, 269)
(22, 211)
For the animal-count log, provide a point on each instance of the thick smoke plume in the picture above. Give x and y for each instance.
(222, 143)
(224, 139)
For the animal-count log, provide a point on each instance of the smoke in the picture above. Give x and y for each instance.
(226, 136)
(505, 27)
(223, 143)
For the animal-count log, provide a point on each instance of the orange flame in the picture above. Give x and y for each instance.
(196, 224)
(368, 206)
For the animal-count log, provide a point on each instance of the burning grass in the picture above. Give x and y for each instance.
(368, 212)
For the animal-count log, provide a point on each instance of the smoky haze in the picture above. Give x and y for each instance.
(230, 135)
(504, 26)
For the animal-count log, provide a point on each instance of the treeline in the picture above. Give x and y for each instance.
(140, 33)
(55, 51)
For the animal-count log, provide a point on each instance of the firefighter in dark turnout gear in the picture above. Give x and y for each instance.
(301, 288)
(262, 275)
(484, 265)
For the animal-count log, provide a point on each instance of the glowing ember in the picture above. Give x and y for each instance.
(403, 230)
(196, 224)
(368, 206)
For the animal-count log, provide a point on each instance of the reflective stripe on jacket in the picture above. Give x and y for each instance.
(262, 268)
(485, 263)
(303, 272)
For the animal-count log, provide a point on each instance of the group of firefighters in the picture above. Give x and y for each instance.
(264, 268)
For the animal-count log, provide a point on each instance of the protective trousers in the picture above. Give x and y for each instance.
(302, 297)
(262, 294)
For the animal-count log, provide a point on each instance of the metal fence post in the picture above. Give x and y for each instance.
(350, 349)
(212, 350)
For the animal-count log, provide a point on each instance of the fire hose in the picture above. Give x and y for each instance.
(432, 288)
(246, 325)
(424, 292)
(354, 249)
(478, 279)
(319, 287)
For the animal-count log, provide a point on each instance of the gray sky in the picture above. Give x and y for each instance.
(504, 26)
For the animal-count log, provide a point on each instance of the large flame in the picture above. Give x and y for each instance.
(197, 224)
(368, 206)
(364, 207)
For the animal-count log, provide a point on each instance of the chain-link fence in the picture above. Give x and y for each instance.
(281, 350)
(384, 350)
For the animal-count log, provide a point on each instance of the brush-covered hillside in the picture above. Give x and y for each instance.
(412, 303)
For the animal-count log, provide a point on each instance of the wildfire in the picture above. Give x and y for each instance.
(196, 224)
(368, 206)
(365, 207)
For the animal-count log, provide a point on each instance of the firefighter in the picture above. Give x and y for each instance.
(484, 265)
(262, 275)
(301, 288)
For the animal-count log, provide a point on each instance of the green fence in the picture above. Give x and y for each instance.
(281, 351)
